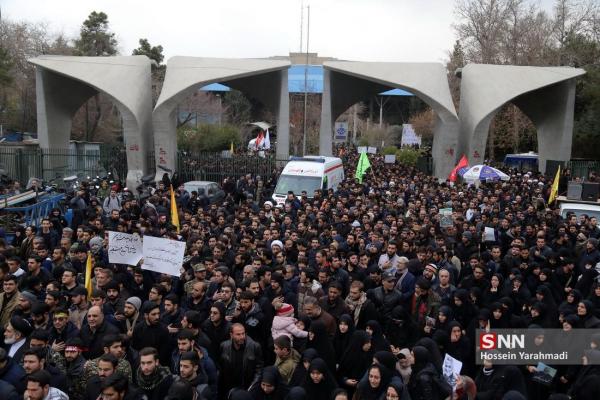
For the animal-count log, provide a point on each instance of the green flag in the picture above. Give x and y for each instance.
(362, 166)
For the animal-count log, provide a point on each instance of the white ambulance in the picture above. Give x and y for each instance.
(308, 174)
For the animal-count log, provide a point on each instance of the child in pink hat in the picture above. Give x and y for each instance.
(284, 323)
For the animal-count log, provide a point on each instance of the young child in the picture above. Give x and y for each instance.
(285, 324)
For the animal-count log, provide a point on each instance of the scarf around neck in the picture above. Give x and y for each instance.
(150, 382)
(356, 305)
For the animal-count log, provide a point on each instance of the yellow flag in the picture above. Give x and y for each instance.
(554, 190)
(174, 214)
(88, 274)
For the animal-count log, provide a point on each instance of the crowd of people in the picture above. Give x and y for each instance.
(354, 294)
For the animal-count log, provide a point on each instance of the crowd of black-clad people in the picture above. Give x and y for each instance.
(353, 294)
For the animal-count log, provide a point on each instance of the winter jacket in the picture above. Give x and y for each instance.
(14, 374)
(8, 308)
(251, 367)
(286, 326)
(93, 340)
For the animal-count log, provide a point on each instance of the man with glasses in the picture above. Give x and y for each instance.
(107, 366)
(61, 330)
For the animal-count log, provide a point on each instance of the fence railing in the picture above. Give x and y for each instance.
(54, 164)
(582, 168)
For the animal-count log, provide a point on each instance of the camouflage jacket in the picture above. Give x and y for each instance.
(91, 369)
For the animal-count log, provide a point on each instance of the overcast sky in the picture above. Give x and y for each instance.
(366, 30)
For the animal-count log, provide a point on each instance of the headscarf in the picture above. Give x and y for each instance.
(296, 393)
(341, 340)
(271, 376)
(323, 389)
(421, 357)
(386, 358)
(378, 341)
(433, 352)
(355, 361)
(366, 392)
(322, 344)
(401, 331)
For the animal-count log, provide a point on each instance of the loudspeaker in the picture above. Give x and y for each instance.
(574, 190)
(590, 192)
(552, 166)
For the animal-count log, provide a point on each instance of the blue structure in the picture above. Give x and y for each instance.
(314, 82)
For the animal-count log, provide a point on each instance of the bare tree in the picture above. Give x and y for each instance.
(199, 106)
(480, 27)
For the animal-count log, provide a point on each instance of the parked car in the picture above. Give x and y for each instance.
(212, 190)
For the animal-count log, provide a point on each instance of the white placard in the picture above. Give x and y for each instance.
(390, 158)
(361, 149)
(409, 136)
(488, 235)
(124, 248)
(372, 150)
(163, 255)
(446, 220)
(451, 370)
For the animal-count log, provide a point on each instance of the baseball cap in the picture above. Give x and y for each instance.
(388, 276)
(199, 267)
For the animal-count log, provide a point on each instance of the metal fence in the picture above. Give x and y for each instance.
(48, 164)
(54, 164)
(582, 168)
(214, 167)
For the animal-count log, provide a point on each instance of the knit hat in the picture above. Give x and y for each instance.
(96, 241)
(30, 297)
(135, 301)
(285, 310)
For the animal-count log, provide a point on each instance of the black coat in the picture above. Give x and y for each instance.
(156, 336)
(251, 366)
(92, 341)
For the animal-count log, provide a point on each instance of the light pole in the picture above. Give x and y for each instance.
(306, 81)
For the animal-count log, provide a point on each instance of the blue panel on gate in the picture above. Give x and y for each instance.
(296, 78)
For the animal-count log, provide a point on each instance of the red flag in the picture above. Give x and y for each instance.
(461, 164)
(259, 140)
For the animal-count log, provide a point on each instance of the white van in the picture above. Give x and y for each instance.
(578, 207)
(308, 173)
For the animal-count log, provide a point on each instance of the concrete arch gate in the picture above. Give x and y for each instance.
(545, 94)
(266, 80)
(64, 83)
(347, 82)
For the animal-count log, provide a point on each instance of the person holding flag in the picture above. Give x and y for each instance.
(554, 189)
(174, 212)
(88, 274)
(463, 163)
(363, 165)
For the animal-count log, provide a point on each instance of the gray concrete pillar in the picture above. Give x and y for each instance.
(327, 119)
(443, 151)
(551, 110)
(282, 152)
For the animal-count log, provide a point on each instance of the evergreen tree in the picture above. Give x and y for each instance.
(95, 38)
